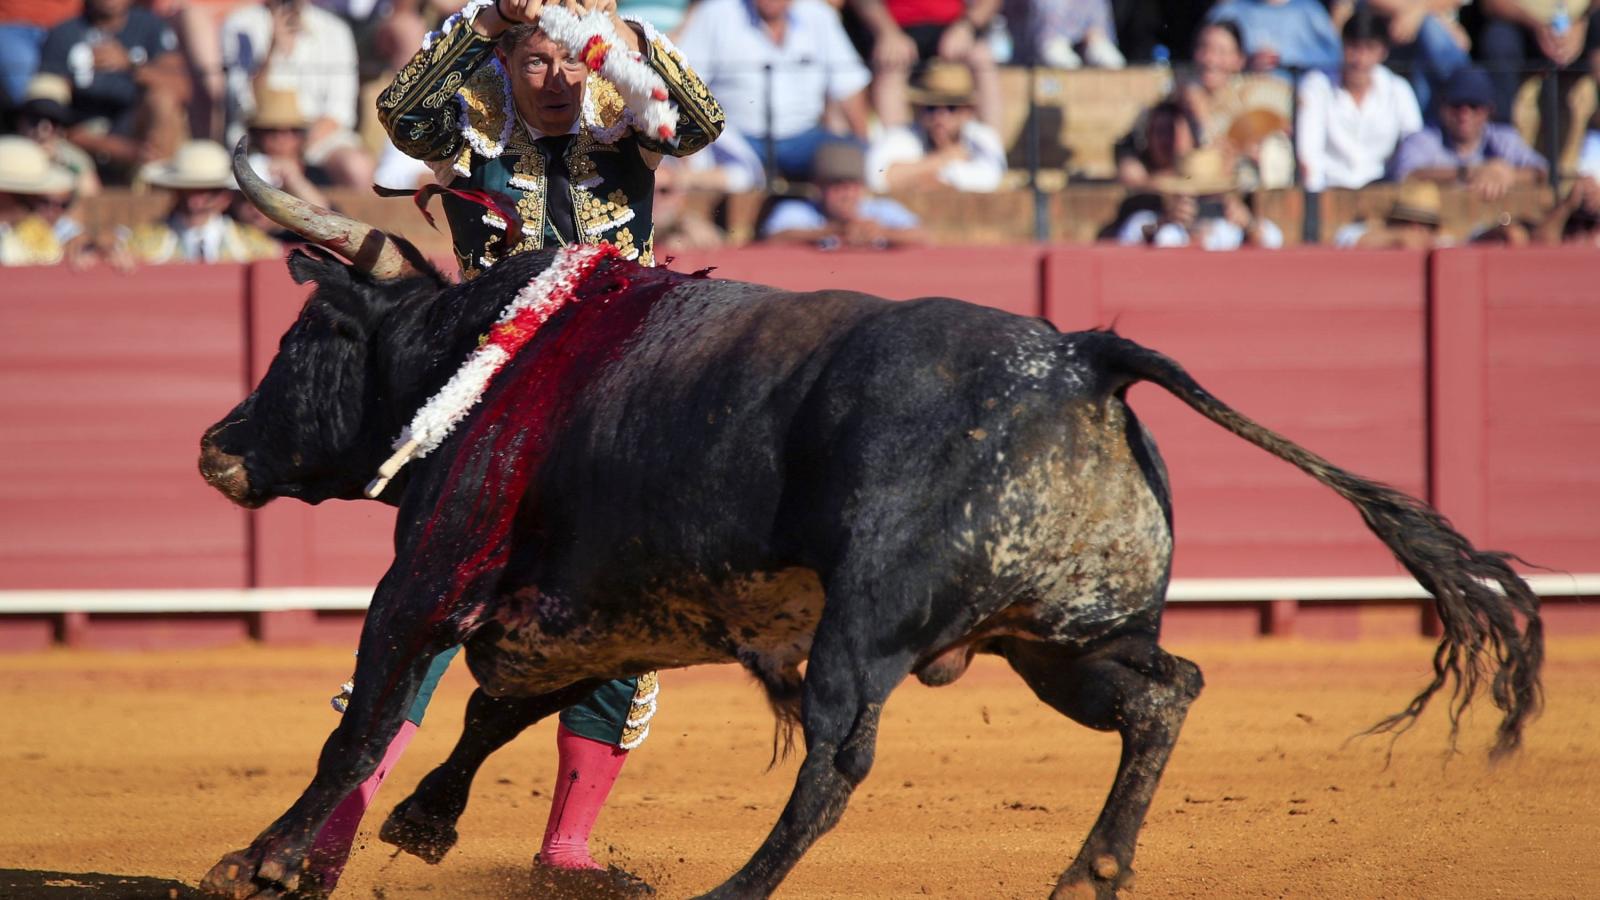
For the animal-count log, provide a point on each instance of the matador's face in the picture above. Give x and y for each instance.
(546, 83)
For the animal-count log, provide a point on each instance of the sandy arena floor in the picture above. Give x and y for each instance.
(147, 767)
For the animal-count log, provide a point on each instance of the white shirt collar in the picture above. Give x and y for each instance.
(535, 134)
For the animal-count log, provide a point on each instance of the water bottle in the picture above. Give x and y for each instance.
(999, 38)
(1161, 58)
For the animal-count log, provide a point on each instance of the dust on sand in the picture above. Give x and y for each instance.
(130, 774)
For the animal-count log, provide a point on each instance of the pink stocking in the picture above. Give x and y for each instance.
(332, 848)
(584, 778)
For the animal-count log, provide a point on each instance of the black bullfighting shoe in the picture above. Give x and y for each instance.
(610, 883)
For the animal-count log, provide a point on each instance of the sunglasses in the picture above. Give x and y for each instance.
(944, 107)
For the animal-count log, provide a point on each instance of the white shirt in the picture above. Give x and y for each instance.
(730, 49)
(1343, 144)
(1215, 234)
(321, 69)
(980, 171)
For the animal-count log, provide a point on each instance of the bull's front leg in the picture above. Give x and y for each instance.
(394, 657)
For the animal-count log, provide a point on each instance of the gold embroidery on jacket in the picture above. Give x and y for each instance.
(597, 216)
(527, 175)
(486, 98)
(624, 243)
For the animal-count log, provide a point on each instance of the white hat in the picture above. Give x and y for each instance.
(198, 165)
(25, 168)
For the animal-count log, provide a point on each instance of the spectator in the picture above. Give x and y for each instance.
(945, 145)
(779, 68)
(1200, 205)
(1465, 147)
(198, 226)
(1246, 115)
(44, 116)
(1412, 222)
(1575, 220)
(907, 34)
(1282, 34)
(292, 45)
(1162, 136)
(1063, 34)
(1425, 40)
(129, 85)
(844, 215)
(23, 25)
(27, 174)
(278, 139)
(1517, 35)
(58, 210)
(1217, 90)
(1351, 123)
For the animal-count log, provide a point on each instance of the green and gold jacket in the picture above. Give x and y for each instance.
(451, 106)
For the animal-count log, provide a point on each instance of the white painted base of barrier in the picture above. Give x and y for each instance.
(1183, 590)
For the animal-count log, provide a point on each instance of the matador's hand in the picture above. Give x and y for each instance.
(514, 12)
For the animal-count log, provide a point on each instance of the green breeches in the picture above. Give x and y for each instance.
(618, 712)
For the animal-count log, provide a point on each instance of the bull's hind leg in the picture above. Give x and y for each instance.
(424, 824)
(1130, 686)
(848, 677)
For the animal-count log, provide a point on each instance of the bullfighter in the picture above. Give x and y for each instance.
(534, 148)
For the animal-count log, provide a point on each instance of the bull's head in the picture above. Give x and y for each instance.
(313, 428)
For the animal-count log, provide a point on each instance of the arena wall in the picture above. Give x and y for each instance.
(1466, 376)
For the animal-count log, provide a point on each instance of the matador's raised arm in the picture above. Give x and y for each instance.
(422, 113)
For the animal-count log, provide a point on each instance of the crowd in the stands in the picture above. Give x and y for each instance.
(834, 108)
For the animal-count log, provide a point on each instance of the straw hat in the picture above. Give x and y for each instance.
(277, 108)
(48, 97)
(25, 168)
(1201, 173)
(943, 84)
(1419, 202)
(198, 165)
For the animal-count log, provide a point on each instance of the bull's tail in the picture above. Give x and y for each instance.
(1491, 620)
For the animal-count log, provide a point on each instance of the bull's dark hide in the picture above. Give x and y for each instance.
(682, 470)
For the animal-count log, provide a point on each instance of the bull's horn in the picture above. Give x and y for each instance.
(370, 249)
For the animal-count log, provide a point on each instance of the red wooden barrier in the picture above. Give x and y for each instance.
(106, 383)
(1327, 348)
(1516, 393)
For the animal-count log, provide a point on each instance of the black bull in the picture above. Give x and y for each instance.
(877, 489)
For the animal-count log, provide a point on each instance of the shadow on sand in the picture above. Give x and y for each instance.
(31, 884)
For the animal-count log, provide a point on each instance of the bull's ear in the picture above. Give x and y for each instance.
(313, 264)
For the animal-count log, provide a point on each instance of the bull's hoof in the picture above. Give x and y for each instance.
(418, 834)
(1105, 879)
(246, 875)
(610, 883)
